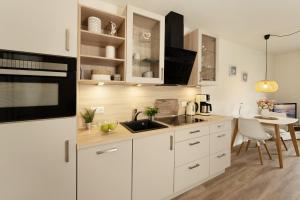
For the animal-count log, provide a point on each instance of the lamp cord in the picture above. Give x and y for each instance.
(273, 35)
(286, 35)
(266, 76)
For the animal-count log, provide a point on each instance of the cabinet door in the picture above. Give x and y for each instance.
(39, 26)
(145, 46)
(38, 160)
(104, 172)
(153, 167)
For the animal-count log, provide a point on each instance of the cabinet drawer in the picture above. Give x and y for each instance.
(191, 173)
(104, 169)
(219, 161)
(191, 149)
(189, 133)
(220, 141)
(221, 126)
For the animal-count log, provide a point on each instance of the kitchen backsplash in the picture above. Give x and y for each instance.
(119, 101)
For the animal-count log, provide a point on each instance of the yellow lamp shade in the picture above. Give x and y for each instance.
(266, 86)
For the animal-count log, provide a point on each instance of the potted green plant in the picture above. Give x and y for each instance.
(88, 117)
(151, 112)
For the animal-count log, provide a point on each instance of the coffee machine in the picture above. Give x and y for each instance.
(202, 105)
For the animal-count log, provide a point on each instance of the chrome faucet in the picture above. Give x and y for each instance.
(135, 114)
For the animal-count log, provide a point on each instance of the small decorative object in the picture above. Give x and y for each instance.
(110, 51)
(112, 28)
(136, 56)
(244, 76)
(265, 106)
(108, 126)
(94, 24)
(232, 71)
(145, 37)
(88, 117)
(117, 77)
(151, 112)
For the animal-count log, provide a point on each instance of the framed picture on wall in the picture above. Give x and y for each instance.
(244, 76)
(232, 71)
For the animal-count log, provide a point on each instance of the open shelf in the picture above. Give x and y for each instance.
(96, 60)
(88, 37)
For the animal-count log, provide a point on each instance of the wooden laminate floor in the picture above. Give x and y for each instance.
(246, 179)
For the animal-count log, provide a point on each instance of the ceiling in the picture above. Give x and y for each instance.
(242, 21)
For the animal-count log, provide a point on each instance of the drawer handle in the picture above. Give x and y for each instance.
(194, 143)
(220, 125)
(106, 151)
(219, 136)
(222, 155)
(197, 131)
(194, 166)
(67, 151)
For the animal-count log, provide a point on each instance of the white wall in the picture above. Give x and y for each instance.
(286, 71)
(230, 91)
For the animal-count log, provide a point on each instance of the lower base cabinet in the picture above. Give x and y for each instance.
(219, 161)
(153, 167)
(191, 173)
(104, 172)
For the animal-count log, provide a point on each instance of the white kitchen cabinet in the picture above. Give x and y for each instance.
(38, 160)
(205, 68)
(104, 172)
(153, 167)
(219, 162)
(47, 27)
(145, 46)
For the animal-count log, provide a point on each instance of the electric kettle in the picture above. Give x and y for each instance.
(190, 108)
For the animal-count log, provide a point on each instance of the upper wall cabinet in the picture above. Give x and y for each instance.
(205, 66)
(145, 46)
(47, 27)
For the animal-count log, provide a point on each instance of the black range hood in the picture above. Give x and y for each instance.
(178, 61)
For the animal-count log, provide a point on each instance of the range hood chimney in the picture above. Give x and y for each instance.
(178, 61)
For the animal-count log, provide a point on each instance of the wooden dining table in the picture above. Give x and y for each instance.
(276, 123)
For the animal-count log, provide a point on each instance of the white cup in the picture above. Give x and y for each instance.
(110, 51)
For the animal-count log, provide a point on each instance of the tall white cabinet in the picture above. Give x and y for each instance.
(153, 167)
(38, 162)
(47, 27)
(145, 46)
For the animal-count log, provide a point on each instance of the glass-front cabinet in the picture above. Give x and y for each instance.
(145, 46)
(205, 66)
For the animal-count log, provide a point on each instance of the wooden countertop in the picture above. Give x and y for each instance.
(86, 138)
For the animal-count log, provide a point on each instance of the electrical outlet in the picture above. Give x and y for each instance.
(99, 109)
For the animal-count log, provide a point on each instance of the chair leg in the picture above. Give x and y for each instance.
(267, 149)
(248, 144)
(283, 143)
(240, 149)
(259, 153)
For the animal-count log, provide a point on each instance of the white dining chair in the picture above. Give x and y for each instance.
(270, 129)
(252, 130)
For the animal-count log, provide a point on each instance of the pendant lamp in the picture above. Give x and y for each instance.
(266, 86)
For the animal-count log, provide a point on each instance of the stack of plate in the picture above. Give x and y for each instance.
(94, 24)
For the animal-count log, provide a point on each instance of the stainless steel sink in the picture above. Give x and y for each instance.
(142, 125)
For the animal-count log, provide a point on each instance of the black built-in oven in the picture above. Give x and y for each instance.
(36, 86)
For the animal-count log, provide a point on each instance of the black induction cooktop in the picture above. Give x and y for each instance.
(179, 120)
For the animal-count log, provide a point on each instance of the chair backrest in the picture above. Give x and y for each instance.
(252, 129)
(277, 114)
